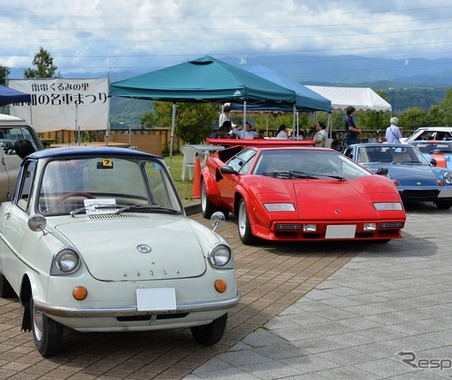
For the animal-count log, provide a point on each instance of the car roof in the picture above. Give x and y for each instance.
(81, 151)
(372, 145)
(442, 129)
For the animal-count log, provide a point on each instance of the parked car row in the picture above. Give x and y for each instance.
(96, 239)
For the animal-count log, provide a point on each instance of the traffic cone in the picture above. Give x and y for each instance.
(197, 180)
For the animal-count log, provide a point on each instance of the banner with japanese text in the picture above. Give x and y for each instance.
(56, 104)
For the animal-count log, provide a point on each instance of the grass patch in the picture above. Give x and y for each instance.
(185, 188)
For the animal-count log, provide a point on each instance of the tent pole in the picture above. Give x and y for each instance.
(244, 114)
(173, 125)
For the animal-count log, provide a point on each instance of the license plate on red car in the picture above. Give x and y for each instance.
(156, 299)
(346, 231)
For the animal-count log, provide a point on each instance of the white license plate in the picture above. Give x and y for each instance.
(445, 194)
(156, 299)
(340, 231)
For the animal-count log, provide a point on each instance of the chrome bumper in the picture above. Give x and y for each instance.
(120, 311)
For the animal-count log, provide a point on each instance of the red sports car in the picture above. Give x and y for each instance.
(300, 193)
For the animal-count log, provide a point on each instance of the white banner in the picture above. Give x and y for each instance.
(74, 104)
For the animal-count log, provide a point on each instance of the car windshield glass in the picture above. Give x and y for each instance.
(104, 185)
(389, 154)
(427, 147)
(307, 164)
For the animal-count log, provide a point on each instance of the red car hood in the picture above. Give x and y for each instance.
(326, 199)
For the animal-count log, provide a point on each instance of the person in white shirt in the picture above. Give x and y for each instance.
(247, 133)
(393, 133)
(282, 132)
(225, 116)
(321, 135)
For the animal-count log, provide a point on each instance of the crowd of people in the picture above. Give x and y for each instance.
(318, 132)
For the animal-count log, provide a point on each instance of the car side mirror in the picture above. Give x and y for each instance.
(228, 170)
(37, 222)
(382, 171)
(433, 162)
(217, 219)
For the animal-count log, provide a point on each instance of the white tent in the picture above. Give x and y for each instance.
(362, 98)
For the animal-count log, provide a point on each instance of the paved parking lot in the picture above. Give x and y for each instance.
(307, 311)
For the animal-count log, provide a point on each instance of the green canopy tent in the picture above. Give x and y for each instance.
(205, 79)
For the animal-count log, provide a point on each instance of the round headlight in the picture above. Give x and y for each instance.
(448, 177)
(220, 256)
(67, 260)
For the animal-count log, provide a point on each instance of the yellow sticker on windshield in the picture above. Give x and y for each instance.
(106, 163)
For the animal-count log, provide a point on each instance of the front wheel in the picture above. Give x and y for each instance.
(243, 224)
(47, 334)
(207, 207)
(443, 205)
(211, 333)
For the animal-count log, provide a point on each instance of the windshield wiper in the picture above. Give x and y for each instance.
(145, 208)
(298, 174)
(96, 207)
(302, 175)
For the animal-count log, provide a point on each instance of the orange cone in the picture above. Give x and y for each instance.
(197, 180)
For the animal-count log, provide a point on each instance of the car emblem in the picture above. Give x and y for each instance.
(143, 248)
(418, 183)
(337, 212)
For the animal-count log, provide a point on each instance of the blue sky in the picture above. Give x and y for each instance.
(138, 35)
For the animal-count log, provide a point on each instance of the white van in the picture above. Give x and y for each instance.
(12, 129)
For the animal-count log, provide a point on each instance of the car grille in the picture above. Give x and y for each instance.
(120, 216)
(419, 194)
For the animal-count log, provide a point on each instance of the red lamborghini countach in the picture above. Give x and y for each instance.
(300, 194)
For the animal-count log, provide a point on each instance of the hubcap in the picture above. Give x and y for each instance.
(37, 323)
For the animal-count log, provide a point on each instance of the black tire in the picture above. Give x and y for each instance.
(47, 333)
(6, 290)
(207, 207)
(243, 224)
(211, 333)
(443, 205)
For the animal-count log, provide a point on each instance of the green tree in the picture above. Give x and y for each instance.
(446, 107)
(435, 116)
(44, 66)
(194, 122)
(4, 72)
(413, 118)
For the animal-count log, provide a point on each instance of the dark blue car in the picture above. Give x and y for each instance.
(417, 179)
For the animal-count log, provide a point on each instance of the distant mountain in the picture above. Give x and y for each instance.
(408, 83)
(343, 69)
(350, 69)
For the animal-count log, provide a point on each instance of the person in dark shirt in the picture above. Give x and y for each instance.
(351, 130)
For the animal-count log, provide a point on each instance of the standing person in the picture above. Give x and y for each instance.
(321, 135)
(393, 133)
(351, 130)
(282, 132)
(225, 116)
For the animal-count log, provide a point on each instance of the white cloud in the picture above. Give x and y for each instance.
(141, 34)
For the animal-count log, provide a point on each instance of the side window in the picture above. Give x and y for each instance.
(25, 187)
(243, 160)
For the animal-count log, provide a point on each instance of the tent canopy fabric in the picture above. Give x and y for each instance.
(205, 79)
(9, 96)
(306, 99)
(362, 98)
